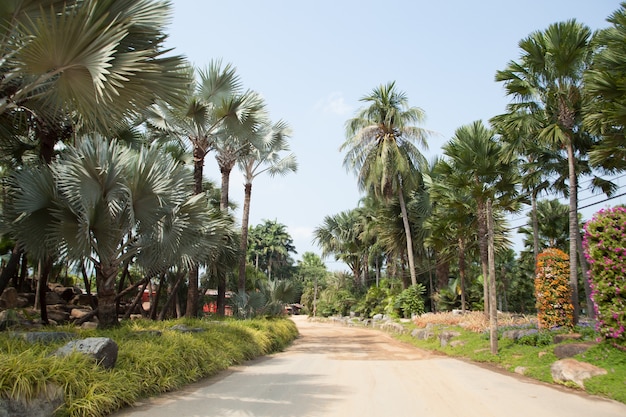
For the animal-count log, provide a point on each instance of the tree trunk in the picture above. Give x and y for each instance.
(171, 297)
(106, 272)
(574, 231)
(192, 290)
(409, 239)
(245, 219)
(462, 271)
(585, 270)
(10, 269)
(535, 226)
(483, 249)
(43, 288)
(225, 169)
(493, 311)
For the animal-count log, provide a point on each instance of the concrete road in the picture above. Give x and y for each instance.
(339, 371)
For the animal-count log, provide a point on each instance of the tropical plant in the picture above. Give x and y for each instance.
(546, 83)
(604, 113)
(552, 291)
(265, 158)
(381, 151)
(411, 300)
(270, 246)
(475, 165)
(107, 203)
(605, 243)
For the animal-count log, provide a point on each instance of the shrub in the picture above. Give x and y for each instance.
(411, 300)
(552, 290)
(605, 249)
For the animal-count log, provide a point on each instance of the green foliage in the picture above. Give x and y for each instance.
(552, 290)
(543, 338)
(152, 359)
(379, 299)
(613, 360)
(411, 300)
(605, 249)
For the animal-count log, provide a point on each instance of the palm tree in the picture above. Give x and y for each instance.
(216, 108)
(107, 203)
(260, 159)
(381, 151)
(340, 235)
(475, 165)
(603, 114)
(548, 80)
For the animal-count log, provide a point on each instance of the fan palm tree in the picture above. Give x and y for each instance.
(548, 80)
(216, 108)
(475, 165)
(265, 158)
(107, 203)
(381, 151)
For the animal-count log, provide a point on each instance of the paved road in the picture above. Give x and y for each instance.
(333, 370)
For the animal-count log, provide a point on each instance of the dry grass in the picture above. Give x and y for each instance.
(473, 320)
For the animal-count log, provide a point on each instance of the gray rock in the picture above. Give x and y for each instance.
(446, 336)
(518, 333)
(423, 334)
(568, 350)
(457, 343)
(377, 317)
(102, 349)
(43, 405)
(8, 299)
(186, 329)
(571, 370)
(45, 337)
(567, 336)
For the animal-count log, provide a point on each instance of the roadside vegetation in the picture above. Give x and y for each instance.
(153, 358)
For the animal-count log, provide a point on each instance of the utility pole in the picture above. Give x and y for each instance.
(493, 307)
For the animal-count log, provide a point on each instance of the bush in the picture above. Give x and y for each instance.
(411, 300)
(605, 249)
(552, 290)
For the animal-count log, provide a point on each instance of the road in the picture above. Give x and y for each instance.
(332, 370)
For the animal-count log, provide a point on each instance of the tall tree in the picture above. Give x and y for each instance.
(381, 151)
(216, 106)
(604, 114)
(264, 158)
(548, 80)
(474, 164)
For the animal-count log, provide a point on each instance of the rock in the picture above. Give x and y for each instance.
(568, 350)
(8, 299)
(45, 337)
(185, 329)
(66, 293)
(43, 405)
(520, 370)
(102, 349)
(79, 313)
(377, 317)
(571, 370)
(457, 343)
(566, 336)
(423, 334)
(58, 314)
(81, 300)
(53, 298)
(446, 336)
(518, 333)
(89, 325)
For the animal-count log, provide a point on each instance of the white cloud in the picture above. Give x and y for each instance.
(334, 104)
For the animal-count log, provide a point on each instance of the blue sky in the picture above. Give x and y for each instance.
(313, 60)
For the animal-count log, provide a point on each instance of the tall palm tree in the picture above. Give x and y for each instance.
(265, 158)
(474, 164)
(604, 113)
(548, 80)
(107, 203)
(216, 107)
(381, 150)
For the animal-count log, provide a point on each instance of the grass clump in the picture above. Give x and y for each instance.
(152, 359)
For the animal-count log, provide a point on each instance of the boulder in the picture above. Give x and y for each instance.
(559, 338)
(79, 313)
(58, 314)
(446, 336)
(102, 349)
(8, 299)
(571, 370)
(568, 350)
(518, 333)
(53, 298)
(423, 334)
(44, 404)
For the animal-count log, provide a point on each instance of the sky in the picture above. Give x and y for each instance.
(313, 60)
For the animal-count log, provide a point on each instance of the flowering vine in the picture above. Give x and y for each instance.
(552, 289)
(605, 250)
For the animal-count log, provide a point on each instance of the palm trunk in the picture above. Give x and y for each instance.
(106, 272)
(225, 169)
(192, 290)
(584, 267)
(245, 219)
(484, 254)
(462, 271)
(573, 229)
(535, 226)
(409, 239)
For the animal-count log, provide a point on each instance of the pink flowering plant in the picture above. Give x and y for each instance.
(605, 250)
